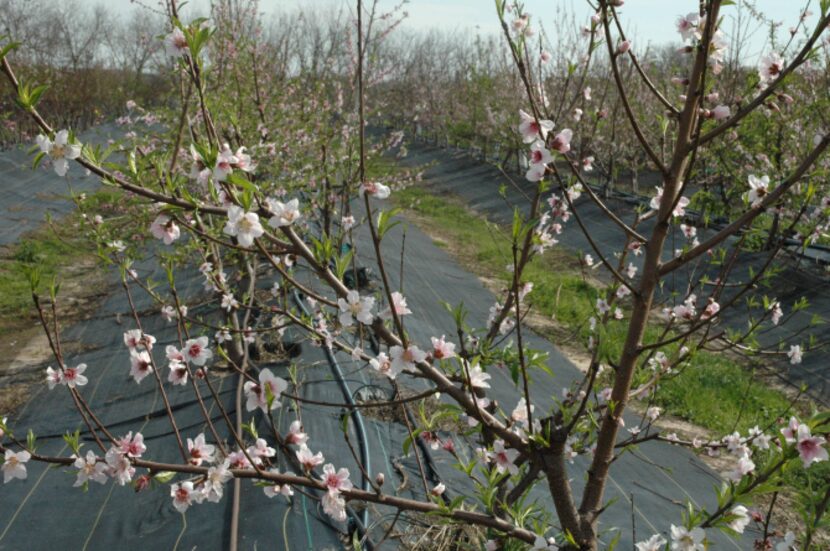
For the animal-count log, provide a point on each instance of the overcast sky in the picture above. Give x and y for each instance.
(649, 20)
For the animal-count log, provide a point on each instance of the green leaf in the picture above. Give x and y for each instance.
(241, 181)
(164, 476)
(342, 262)
(8, 48)
(131, 163)
(38, 158)
(409, 439)
(385, 222)
(269, 396)
(36, 93)
(73, 441)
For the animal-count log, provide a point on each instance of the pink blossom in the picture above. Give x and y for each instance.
(243, 225)
(136, 340)
(336, 481)
(405, 359)
(131, 446)
(284, 214)
(228, 302)
(164, 228)
(375, 189)
(184, 496)
(140, 365)
(174, 354)
(175, 43)
(770, 67)
(810, 448)
(399, 303)
(539, 154)
(224, 163)
(355, 308)
(178, 373)
(739, 518)
(295, 434)
(794, 354)
(441, 349)
(14, 465)
(791, 430)
(72, 376)
(479, 377)
(243, 160)
(531, 130)
(654, 543)
(261, 450)
(504, 458)
(273, 490)
(214, 484)
(119, 467)
(238, 460)
(688, 540)
(308, 459)
(758, 190)
(536, 172)
(588, 163)
(196, 351)
(777, 313)
(199, 450)
(61, 151)
(334, 506)
(90, 468)
(562, 141)
(743, 467)
(519, 413)
(711, 310)
(721, 112)
(688, 26)
(270, 387)
(53, 377)
(383, 365)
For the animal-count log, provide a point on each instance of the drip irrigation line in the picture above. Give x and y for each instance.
(357, 419)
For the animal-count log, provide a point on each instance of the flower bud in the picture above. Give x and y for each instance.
(721, 112)
(142, 483)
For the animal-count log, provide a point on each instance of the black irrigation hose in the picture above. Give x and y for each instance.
(360, 428)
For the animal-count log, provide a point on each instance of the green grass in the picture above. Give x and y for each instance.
(712, 391)
(719, 394)
(44, 252)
